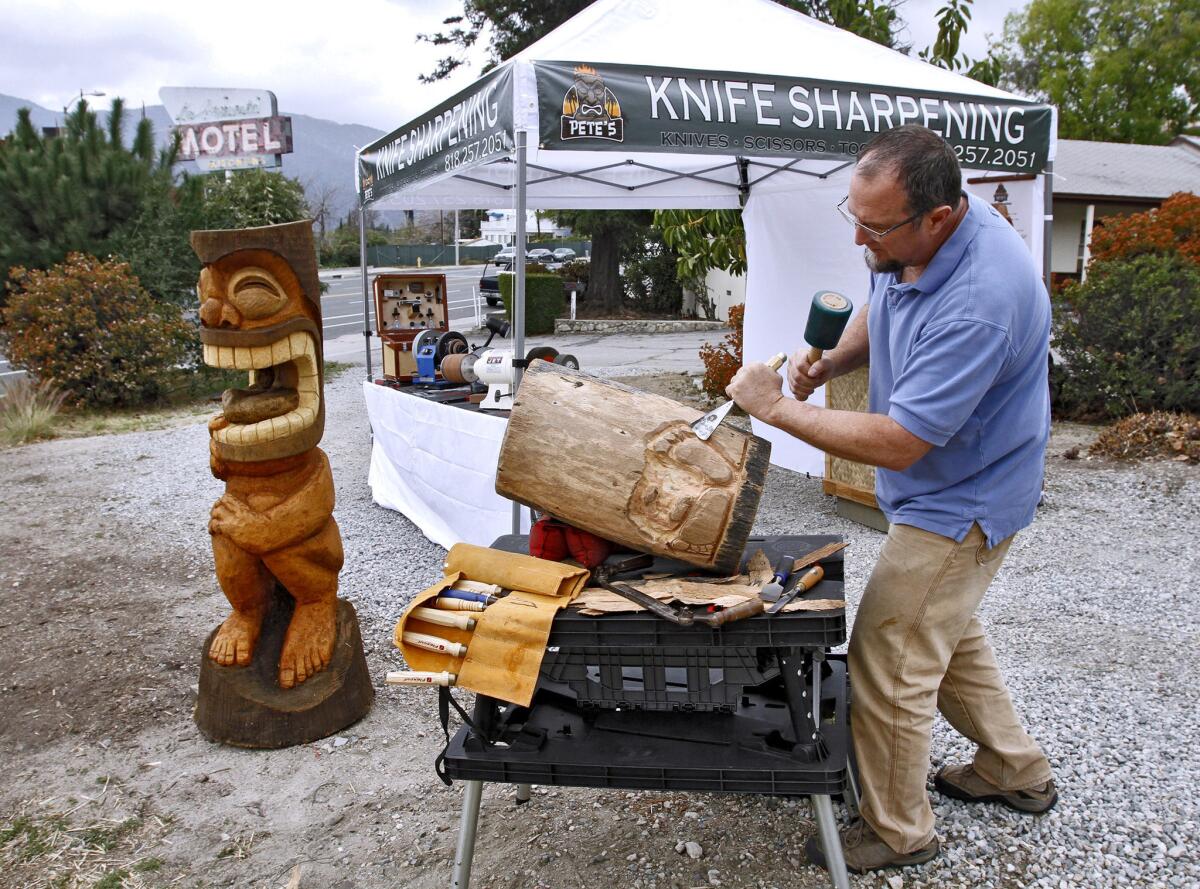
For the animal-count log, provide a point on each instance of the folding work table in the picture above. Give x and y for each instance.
(633, 701)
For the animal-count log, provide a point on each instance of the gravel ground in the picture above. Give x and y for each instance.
(1092, 617)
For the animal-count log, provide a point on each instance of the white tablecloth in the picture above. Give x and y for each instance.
(436, 464)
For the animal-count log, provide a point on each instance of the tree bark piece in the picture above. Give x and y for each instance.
(625, 464)
(246, 707)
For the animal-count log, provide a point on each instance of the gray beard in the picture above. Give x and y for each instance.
(881, 268)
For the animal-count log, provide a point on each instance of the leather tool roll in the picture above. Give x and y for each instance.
(505, 650)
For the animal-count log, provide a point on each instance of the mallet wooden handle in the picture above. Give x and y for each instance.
(814, 355)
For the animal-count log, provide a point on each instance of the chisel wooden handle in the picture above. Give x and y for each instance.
(435, 643)
(749, 608)
(443, 618)
(474, 586)
(447, 604)
(414, 677)
(777, 362)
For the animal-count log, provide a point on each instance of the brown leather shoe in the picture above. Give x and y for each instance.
(865, 851)
(963, 782)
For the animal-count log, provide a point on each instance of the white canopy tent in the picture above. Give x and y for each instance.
(709, 104)
(704, 104)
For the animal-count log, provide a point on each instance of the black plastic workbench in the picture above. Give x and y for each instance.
(634, 701)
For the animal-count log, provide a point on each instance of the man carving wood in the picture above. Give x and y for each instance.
(260, 312)
(956, 334)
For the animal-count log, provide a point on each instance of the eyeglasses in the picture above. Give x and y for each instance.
(877, 235)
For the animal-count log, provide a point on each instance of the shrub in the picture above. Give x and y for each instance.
(722, 361)
(576, 270)
(1130, 337)
(1173, 227)
(28, 409)
(545, 300)
(652, 280)
(90, 327)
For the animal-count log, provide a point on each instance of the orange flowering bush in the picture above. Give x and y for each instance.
(1173, 227)
(723, 360)
(88, 326)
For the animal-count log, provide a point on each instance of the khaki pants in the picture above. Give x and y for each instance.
(917, 646)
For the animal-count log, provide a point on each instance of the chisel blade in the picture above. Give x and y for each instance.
(706, 425)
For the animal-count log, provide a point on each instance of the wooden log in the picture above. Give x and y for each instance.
(626, 465)
(246, 707)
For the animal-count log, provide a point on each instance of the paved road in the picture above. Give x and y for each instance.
(8, 373)
(342, 306)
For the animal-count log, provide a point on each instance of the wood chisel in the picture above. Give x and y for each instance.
(443, 618)
(467, 596)
(706, 425)
(417, 677)
(458, 604)
(783, 570)
(435, 643)
(810, 579)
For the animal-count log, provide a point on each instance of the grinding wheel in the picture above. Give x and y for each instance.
(546, 353)
(452, 366)
(450, 343)
(565, 360)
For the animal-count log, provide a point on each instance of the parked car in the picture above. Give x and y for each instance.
(505, 258)
(540, 254)
(489, 285)
(564, 254)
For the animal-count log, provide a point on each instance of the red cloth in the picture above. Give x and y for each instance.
(588, 549)
(555, 540)
(547, 541)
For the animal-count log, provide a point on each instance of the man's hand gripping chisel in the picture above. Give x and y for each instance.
(706, 425)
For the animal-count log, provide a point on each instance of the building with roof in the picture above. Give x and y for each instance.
(1094, 180)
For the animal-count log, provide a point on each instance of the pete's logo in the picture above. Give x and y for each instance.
(590, 109)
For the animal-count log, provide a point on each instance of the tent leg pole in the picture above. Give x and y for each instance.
(1047, 220)
(366, 290)
(518, 319)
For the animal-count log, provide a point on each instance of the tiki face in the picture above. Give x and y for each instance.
(686, 490)
(590, 90)
(256, 316)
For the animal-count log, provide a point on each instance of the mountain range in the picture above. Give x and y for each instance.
(322, 159)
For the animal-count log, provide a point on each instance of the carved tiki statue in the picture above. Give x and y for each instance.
(260, 312)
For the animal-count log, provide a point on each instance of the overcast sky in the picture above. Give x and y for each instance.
(352, 61)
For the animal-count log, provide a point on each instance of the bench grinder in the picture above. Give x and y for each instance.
(496, 368)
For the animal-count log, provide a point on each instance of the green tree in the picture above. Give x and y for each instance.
(84, 190)
(1118, 70)
(252, 198)
(615, 235)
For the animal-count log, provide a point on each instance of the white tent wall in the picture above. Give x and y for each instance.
(797, 243)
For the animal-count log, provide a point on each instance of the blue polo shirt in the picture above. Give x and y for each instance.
(959, 359)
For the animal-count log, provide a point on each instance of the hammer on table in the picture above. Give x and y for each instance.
(826, 320)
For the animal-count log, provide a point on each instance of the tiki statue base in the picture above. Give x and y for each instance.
(245, 707)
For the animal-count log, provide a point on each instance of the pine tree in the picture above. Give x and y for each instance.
(82, 190)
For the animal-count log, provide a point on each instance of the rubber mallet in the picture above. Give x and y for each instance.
(826, 320)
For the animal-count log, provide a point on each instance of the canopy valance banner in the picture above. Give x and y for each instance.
(611, 107)
(468, 129)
